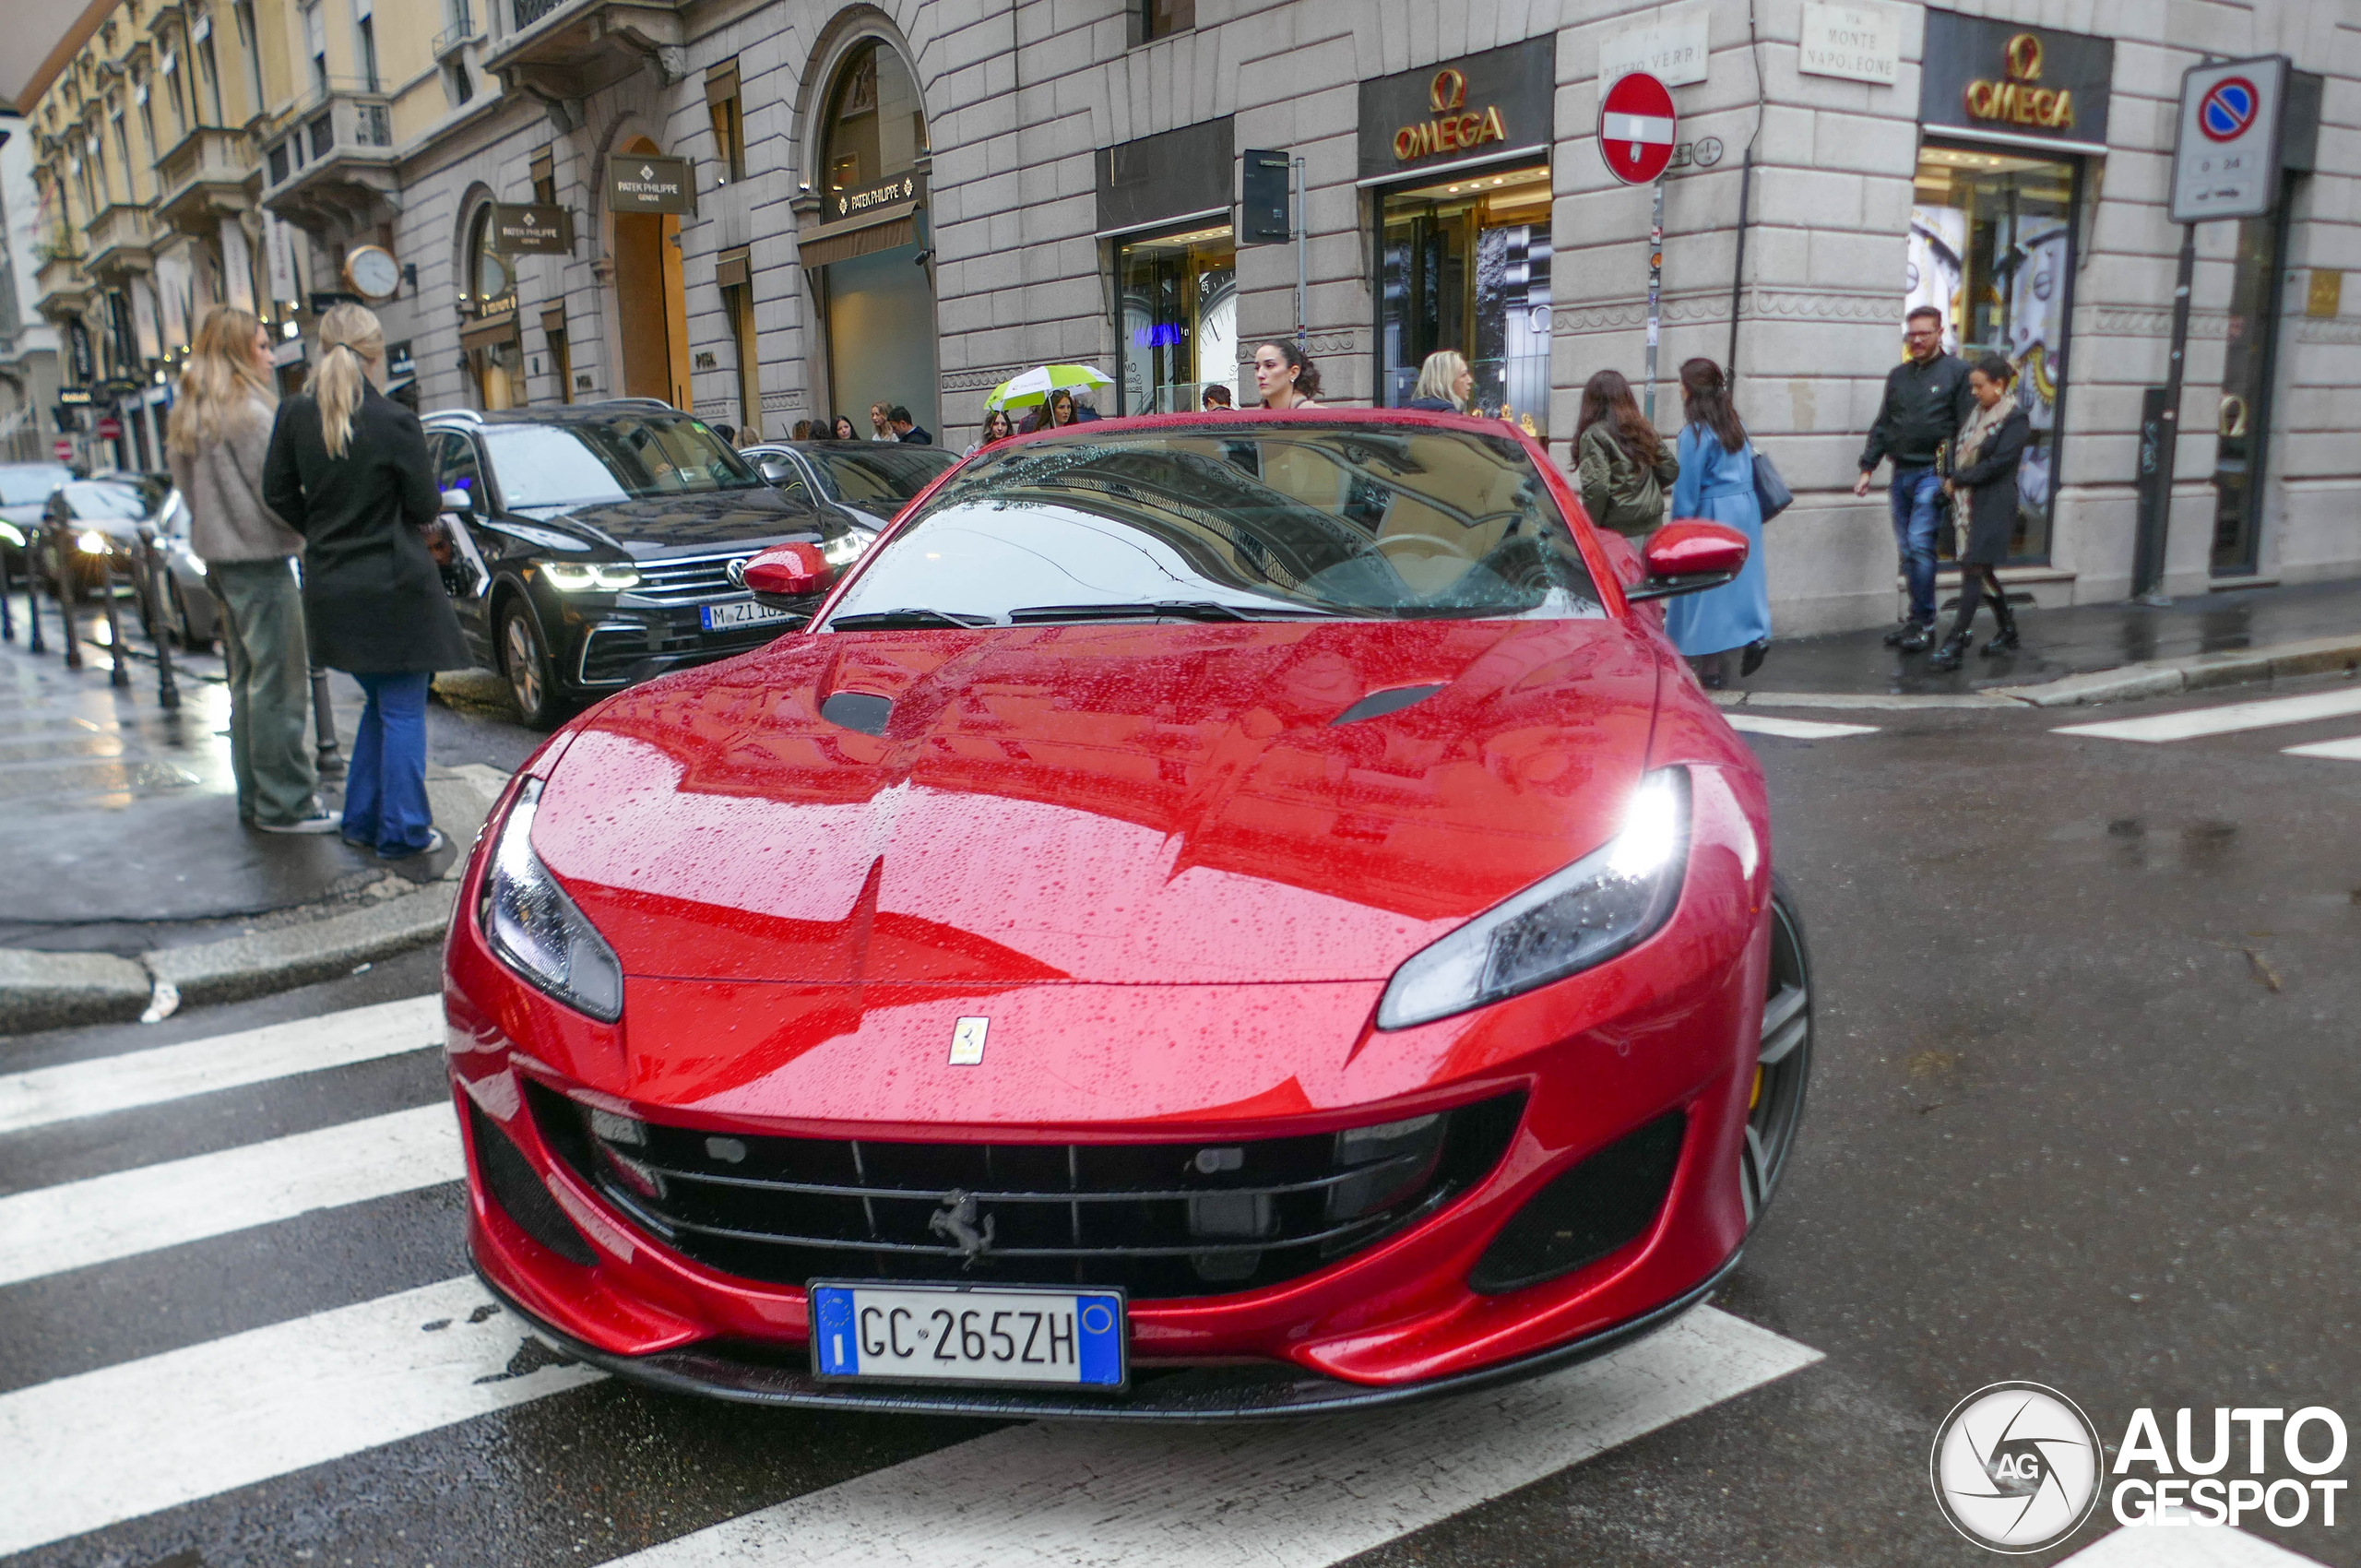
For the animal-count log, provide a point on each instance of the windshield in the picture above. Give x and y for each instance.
(876, 476)
(623, 457)
(99, 501)
(1230, 521)
(29, 485)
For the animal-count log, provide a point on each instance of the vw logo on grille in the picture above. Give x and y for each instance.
(736, 572)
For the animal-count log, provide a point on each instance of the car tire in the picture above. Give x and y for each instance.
(525, 662)
(184, 629)
(1783, 1059)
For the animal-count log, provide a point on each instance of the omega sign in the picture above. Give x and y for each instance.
(2022, 100)
(1454, 128)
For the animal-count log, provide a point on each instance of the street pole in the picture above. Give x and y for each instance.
(60, 537)
(1655, 293)
(120, 675)
(33, 593)
(326, 760)
(2155, 517)
(7, 614)
(1302, 269)
(168, 693)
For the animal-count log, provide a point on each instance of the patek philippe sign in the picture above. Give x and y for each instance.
(891, 195)
(2014, 83)
(1459, 109)
(647, 183)
(531, 230)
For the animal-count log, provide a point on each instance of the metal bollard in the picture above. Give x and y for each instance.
(32, 599)
(61, 539)
(7, 613)
(159, 595)
(121, 674)
(328, 760)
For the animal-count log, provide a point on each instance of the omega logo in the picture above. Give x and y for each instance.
(1454, 129)
(1449, 93)
(2018, 101)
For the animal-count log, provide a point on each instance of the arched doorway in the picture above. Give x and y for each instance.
(867, 253)
(495, 353)
(651, 306)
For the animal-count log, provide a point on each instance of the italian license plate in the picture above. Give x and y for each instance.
(968, 1334)
(741, 612)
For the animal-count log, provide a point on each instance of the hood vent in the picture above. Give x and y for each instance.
(864, 711)
(1378, 703)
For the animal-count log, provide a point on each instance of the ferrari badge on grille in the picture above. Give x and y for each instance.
(967, 1042)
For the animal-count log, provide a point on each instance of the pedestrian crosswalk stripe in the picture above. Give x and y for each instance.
(200, 1066)
(1293, 1495)
(2190, 723)
(1796, 728)
(75, 1225)
(95, 1449)
(2346, 750)
(2149, 1547)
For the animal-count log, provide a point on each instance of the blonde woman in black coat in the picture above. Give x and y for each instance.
(1984, 479)
(348, 469)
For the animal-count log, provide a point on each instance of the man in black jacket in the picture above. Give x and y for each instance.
(906, 431)
(1927, 400)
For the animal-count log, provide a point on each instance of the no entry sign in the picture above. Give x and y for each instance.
(1636, 126)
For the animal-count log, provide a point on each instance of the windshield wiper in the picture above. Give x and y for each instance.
(896, 620)
(1169, 608)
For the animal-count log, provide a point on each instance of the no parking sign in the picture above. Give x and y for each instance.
(2227, 164)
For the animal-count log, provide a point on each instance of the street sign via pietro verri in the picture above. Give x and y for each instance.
(1636, 126)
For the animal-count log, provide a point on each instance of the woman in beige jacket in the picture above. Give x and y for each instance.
(219, 433)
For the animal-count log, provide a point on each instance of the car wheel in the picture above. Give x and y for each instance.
(1782, 1061)
(527, 664)
(182, 628)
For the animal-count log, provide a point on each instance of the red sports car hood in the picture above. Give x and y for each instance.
(1115, 804)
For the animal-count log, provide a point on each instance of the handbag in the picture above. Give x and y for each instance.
(1771, 492)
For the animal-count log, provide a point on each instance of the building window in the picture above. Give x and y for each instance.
(173, 91)
(122, 155)
(545, 170)
(368, 30)
(147, 126)
(208, 71)
(2243, 417)
(250, 45)
(728, 112)
(876, 123)
(489, 287)
(560, 355)
(1992, 248)
(734, 272)
(1179, 332)
(1162, 18)
(1464, 266)
(316, 45)
(457, 86)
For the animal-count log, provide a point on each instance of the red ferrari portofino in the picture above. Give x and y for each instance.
(1211, 918)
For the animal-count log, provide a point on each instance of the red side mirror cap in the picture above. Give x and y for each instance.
(785, 576)
(1687, 556)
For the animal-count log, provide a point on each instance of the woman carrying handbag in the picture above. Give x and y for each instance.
(1983, 483)
(1718, 627)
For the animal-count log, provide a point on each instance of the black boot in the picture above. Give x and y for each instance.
(2007, 641)
(1949, 656)
(1916, 638)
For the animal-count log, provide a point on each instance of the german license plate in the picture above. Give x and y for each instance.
(741, 612)
(968, 1334)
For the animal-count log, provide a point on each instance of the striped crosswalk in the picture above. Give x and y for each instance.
(1795, 729)
(2238, 717)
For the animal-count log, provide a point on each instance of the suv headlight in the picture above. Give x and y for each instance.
(847, 547)
(1608, 901)
(535, 929)
(589, 576)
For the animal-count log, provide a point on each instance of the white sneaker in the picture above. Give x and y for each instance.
(317, 822)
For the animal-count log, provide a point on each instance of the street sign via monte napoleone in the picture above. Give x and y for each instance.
(647, 183)
(2227, 164)
(1637, 127)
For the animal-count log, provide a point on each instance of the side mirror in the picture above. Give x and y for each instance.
(1687, 557)
(774, 470)
(460, 500)
(785, 576)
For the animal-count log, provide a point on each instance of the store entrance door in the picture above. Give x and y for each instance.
(651, 303)
(2243, 418)
(1466, 265)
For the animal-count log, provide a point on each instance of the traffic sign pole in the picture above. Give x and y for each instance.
(1637, 130)
(1655, 293)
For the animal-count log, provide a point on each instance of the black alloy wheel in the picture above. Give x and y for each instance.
(1782, 1064)
(525, 659)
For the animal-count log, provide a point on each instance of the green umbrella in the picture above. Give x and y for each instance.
(1031, 388)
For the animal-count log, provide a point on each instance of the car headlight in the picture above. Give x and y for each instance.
(1609, 900)
(589, 576)
(90, 542)
(847, 547)
(535, 929)
(8, 535)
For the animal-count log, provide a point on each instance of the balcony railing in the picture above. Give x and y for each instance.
(332, 119)
(461, 30)
(527, 12)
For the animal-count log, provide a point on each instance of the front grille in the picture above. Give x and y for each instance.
(696, 580)
(508, 1176)
(1161, 1219)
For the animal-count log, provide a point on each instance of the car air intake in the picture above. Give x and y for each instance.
(508, 1178)
(1606, 1203)
(1162, 1219)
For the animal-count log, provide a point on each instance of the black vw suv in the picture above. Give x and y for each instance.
(591, 546)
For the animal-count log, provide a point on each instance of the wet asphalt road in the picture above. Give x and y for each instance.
(2084, 1112)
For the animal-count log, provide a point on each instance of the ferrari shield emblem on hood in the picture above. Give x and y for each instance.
(967, 1042)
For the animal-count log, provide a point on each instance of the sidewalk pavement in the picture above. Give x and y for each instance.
(131, 885)
(2086, 653)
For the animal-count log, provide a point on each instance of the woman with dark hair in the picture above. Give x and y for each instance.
(1717, 483)
(841, 429)
(1285, 377)
(996, 428)
(1984, 475)
(1620, 463)
(1056, 411)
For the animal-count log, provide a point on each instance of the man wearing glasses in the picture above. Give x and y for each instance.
(1927, 400)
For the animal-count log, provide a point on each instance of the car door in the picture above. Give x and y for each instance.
(466, 577)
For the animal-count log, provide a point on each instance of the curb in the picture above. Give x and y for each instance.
(2198, 673)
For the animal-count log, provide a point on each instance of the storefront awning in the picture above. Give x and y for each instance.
(832, 244)
(489, 329)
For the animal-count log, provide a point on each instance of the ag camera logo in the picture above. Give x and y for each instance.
(2016, 1467)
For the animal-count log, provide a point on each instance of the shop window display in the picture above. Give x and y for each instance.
(1180, 325)
(1466, 265)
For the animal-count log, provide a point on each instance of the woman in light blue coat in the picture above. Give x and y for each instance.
(1715, 628)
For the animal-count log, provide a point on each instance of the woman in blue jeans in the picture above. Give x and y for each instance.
(1715, 629)
(348, 469)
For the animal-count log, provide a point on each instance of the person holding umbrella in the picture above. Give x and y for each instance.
(1056, 411)
(1034, 389)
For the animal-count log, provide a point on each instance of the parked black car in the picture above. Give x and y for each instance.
(596, 545)
(868, 483)
(102, 518)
